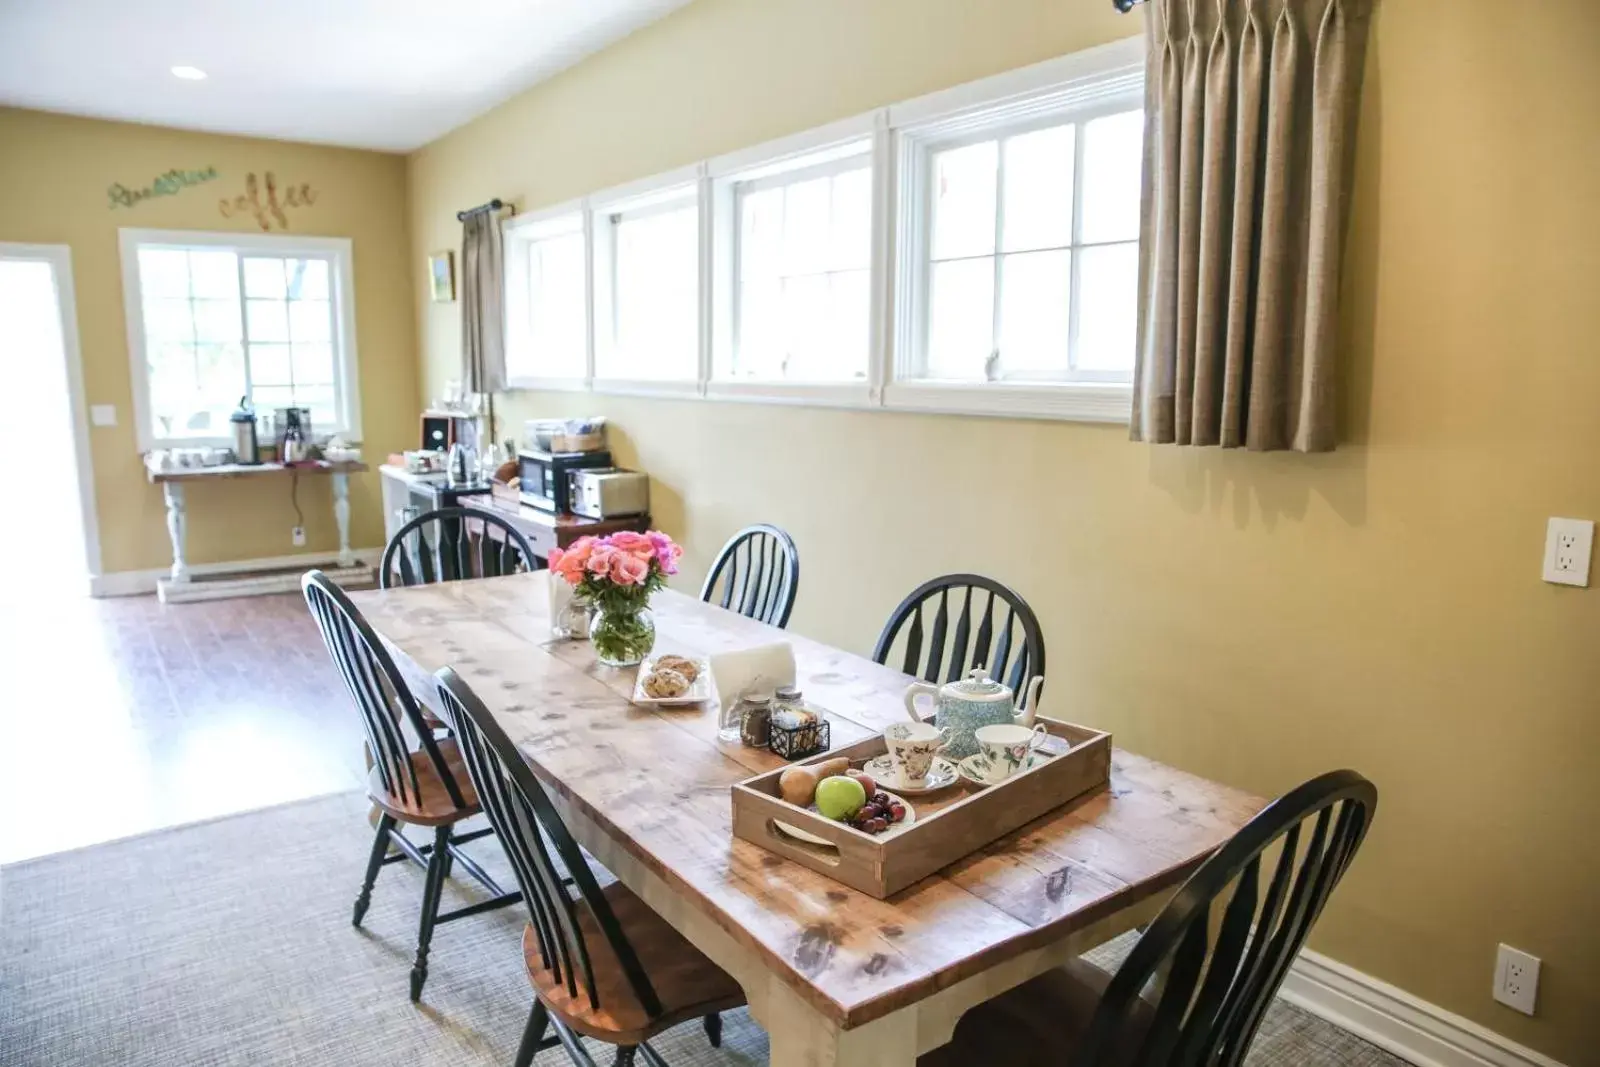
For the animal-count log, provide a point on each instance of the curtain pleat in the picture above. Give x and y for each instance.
(483, 343)
(1250, 107)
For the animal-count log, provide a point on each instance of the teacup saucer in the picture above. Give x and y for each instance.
(968, 769)
(942, 775)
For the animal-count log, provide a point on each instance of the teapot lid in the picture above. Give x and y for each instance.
(977, 684)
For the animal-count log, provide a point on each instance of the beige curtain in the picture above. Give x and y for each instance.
(1250, 112)
(483, 324)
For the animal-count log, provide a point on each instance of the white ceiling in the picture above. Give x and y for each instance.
(388, 74)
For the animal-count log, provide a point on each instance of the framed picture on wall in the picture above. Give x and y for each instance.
(442, 276)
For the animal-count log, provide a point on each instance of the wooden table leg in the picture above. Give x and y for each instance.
(177, 529)
(341, 516)
(801, 1036)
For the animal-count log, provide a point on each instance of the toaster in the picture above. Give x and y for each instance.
(606, 492)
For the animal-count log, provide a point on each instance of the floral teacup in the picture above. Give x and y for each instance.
(1005, 750)
(912, 746)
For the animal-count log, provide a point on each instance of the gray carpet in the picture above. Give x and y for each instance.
(230, 942)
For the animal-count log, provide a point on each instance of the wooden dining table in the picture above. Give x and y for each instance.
(837, 978)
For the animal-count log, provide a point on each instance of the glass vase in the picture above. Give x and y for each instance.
(622, 635)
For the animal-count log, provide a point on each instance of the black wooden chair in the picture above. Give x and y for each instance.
(451, 543)
(601, 963)
(1220, 976)
(757, 574)
(1007, 640)
(416, 778)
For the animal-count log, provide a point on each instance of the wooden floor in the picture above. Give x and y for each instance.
(126, 715)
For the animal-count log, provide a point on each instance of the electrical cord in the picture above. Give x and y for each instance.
(294, 497)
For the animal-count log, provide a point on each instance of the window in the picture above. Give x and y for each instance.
(1020, 242)
(547, 331)
(801, 280)
(975, 250)
(647, 287)
(216, 317)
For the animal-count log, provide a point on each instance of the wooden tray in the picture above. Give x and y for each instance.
(949, 825)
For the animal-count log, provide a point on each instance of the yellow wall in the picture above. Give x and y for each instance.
(1256, 618)
(54, 175)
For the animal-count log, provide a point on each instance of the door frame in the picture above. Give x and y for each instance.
(60, 259)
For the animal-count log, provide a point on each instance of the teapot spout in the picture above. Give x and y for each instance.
(1029, 706)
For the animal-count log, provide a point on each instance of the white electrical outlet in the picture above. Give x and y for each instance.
(298, 535)
(1516, 979)
(102, 414)
(1567, 545)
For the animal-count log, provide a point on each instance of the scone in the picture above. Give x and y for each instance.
(681, 664)
(662, 683)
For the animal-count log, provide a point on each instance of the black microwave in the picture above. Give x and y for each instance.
(542, 476)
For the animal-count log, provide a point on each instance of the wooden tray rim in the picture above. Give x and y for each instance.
(1082, 737)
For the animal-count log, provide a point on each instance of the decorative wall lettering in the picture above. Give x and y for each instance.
(169, 184)
(262, 201)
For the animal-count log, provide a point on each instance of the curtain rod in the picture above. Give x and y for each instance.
(494, 205)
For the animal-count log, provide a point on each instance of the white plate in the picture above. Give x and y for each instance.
(700, 690)
(967, 769)
(942, 775)
(801, 835)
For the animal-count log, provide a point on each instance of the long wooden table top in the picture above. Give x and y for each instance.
(658, 782)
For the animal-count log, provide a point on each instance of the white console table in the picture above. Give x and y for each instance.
(183, 585)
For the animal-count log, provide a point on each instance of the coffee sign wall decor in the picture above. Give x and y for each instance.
(171, 183)
(263, 201)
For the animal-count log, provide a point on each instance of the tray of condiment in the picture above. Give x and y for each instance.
(669, 680)
(946, 824)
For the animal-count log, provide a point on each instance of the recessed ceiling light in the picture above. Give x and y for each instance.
(191, 74)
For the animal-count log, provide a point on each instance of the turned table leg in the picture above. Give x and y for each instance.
(177, 529)
(341, 515)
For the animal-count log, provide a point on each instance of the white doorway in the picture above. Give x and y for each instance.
(41, 376)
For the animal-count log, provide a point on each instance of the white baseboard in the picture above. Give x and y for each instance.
(139, 583)
(1394, 1020)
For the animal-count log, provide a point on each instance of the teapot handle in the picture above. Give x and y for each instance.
(913, 691)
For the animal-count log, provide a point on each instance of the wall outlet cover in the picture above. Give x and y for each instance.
(298, 536)
(1567, 546)
(103, 414)
(1516, 979)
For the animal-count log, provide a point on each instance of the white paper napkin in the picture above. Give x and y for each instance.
(764, 667)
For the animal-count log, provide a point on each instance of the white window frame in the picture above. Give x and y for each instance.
(900, 139)
(662, 192)
(341, 281)
(518, 233)
(826, 150)
(1072, 89)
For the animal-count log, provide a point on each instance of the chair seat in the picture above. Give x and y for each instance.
(1039, 1023)
(688, 983)
(434, 806)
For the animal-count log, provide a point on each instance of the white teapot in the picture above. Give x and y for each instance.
(976, 701)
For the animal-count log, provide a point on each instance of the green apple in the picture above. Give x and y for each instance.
(840, 797)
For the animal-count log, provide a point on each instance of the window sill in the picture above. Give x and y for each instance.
(553, 385)
(811, 394)
(680, 388)
(1109, 402)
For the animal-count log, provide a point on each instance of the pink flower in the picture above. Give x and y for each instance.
(667, 551)
(601, 559)
(634, 544)
(569, 564)
(628, 569)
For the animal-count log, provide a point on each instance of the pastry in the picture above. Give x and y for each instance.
(663, 683)
(683, 665)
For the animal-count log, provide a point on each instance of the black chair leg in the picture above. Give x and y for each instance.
(533, 1035)
(380, 849)
(713, 1025)
(431, 891)
(625, 1054)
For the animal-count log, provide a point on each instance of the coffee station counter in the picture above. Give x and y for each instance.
(545, 530)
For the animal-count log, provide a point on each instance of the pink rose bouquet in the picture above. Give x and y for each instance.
(617, 574)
